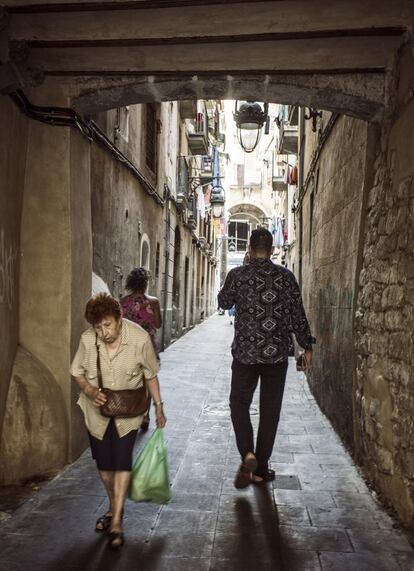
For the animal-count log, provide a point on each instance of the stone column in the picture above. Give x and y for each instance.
(12, 165)
(56, 263)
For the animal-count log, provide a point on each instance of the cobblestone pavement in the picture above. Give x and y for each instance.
(318, 515)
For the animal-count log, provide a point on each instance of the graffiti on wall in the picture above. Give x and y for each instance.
(8, 258)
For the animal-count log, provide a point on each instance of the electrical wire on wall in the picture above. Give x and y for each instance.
(68, 117)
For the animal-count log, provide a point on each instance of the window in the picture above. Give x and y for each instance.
(145, 252)
(151, 138)
(238, 234)
(240, 175)
(183, 177)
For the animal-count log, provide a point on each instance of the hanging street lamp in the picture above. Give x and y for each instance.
(217, 201)
(249, 119)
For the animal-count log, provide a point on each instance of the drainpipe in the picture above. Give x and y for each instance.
(167, 264)
(300, 183)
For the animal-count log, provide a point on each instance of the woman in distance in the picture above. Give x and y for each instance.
(144, 310)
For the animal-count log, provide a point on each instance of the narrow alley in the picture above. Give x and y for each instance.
(319, 514)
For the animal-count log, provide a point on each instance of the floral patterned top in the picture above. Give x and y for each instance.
(137, 308)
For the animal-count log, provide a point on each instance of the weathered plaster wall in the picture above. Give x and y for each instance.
(12, 168)
(121, 214)
(45, 286)
(45, 241)
(34, 440)
(56, 257)
(384, 321)
(330, 252)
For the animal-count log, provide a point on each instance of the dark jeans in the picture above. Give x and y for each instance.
(243, 385)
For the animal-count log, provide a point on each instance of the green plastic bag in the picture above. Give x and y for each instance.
(149, 479)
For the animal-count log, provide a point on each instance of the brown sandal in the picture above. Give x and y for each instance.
(244, 476)
(266, 477)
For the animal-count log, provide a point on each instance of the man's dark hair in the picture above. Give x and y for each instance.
(261, 240)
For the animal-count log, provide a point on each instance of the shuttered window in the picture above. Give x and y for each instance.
(151, 138)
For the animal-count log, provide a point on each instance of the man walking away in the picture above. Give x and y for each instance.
(268, 306)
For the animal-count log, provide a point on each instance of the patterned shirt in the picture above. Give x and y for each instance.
(133, 362)
(268, 307)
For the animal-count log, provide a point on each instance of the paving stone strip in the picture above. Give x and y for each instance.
(318, 515)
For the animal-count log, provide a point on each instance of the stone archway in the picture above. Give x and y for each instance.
(255, 211)
(357, 95)
(242, 219)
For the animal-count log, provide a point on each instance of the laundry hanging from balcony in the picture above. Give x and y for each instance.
(207, 196)
(293, 176)
(290, 175)
(282, 116)
(201, 204)
(286, 174)
(277, 232)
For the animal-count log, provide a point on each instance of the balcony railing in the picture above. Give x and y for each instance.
(206, 171)
(188, 109)
(279, 183)
(288, 142)
(192, 212)
(197, 132)
(206, 164)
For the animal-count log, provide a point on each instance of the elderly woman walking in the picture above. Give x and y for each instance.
(126, 361)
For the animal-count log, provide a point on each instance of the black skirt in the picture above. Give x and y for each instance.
(113, 454)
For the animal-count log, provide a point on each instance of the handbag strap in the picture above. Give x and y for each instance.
(98, 363)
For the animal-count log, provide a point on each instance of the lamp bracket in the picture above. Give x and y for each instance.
(313, 115)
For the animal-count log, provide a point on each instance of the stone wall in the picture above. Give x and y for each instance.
(358, 287)
(12, 167)
(384, 326)
(331, 235)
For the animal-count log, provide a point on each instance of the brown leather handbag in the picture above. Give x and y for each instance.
(124, 403)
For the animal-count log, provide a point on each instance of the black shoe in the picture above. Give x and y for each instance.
(115, 539)
(103, 523)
